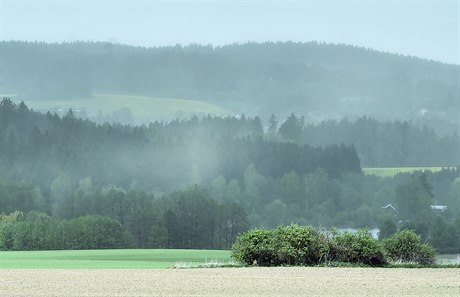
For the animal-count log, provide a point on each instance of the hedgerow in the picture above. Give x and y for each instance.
(309, 246)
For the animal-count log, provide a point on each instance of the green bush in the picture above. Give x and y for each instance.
(406, 247)
(300, 245)
(290, 245)
(256, 246)
(359, 247)
(306, 245)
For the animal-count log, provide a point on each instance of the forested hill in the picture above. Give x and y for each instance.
(197, 183)
(319, 80)
(37, 148)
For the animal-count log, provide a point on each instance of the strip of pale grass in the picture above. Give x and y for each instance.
(140, 106)
(392, 171)
(446, 259)
(102, 259)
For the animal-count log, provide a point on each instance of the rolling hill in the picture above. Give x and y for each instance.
(127, 108)
(314, 79)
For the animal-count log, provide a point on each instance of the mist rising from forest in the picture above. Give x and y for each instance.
(315, 80)
(301, 121)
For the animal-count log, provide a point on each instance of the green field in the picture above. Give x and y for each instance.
(392, 171)
(127, 259)
(143, 107)
(93, 259)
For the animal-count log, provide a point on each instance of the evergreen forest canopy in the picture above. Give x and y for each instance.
(197, 183)
(321, 81)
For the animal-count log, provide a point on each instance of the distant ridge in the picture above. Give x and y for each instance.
(316, 79)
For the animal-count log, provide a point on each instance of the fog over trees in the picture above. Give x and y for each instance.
(303, 121)
(197, 183)
(322, 81)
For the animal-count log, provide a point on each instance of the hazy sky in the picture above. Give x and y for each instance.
(428, 29)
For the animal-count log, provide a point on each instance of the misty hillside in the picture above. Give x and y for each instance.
(213, 177)
(161, 156)
(317, 80)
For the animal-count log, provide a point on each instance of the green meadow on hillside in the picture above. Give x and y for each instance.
(140, 107)
(101, 259)
(392, 171)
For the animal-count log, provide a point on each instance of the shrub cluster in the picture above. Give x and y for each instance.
(406, 247)
(359, 247)
(290, 245)
(307, 245)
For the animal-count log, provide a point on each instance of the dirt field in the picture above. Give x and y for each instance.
(232, 282)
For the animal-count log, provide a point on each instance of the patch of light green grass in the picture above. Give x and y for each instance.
(392, 171)
(103, 259)
(140, 106)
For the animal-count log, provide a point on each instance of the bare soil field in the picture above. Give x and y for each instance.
(287, 281)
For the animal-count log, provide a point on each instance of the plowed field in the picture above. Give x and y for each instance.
(258, 282)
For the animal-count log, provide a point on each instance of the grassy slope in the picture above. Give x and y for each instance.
(91, 259)
(388, 172)
(139, 106)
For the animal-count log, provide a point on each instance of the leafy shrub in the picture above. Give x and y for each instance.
(300, 245)
(290, 245)
(256, 246)
(307, 245)
(359, 247)
(406, 247)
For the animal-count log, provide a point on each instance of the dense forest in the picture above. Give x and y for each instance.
(378, 144)
(197, 183)
(320, 81)
(387, 144)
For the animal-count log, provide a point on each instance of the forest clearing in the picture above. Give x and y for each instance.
(137, 107)
(392, 171)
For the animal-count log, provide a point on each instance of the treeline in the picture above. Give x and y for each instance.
(113, 218)
(39, 232)
(69, 168)
(159, 157)
(212, 218)
(379, 144)
(324, 79)
(353, 200)
(414, 198)
(387, 144)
